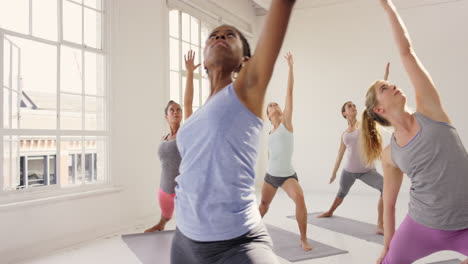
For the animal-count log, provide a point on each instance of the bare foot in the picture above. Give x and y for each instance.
(158, 227)
(379, 231)
(465, 262)
(305, 245)
(326, 214)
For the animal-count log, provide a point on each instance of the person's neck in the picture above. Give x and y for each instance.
(219, 79)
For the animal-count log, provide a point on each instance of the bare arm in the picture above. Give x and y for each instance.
(387, 71)
(188, 96)
(427, 98)
(254, 77)
(339, 158)
(288, 106)
(392, 183)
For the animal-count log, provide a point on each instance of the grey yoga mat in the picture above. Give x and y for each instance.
(152, 248)
(452, 261)
(346, 226)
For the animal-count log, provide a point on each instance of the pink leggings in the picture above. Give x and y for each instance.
(413, 241)
(166, 203)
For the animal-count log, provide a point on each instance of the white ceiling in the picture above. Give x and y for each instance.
(261, 6)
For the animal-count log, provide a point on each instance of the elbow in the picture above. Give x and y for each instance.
(407, 51)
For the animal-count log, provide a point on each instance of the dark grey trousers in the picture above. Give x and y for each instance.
(255, 247)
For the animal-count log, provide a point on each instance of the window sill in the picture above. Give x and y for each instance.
(19, 200)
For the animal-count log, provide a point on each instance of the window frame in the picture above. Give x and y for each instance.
(102, 135)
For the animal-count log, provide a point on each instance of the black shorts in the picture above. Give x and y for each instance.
(276, 181)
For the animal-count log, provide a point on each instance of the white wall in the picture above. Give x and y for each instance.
(339, 52)
(139, 87)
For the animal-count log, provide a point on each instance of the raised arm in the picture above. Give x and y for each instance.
(427, 98)
(188, 96)
(392, 183)
(339, 158)
(254, 77)
(387, 72)
(288, 106)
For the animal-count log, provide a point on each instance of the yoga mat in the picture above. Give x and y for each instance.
(452, 261)
(152, 248)
(346, 226)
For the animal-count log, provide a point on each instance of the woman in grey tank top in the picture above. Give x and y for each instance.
(280, 171)
(427, 148)
(168, 152)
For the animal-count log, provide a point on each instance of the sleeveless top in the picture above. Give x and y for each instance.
(215, 195)
(437, 164)
(280, 149)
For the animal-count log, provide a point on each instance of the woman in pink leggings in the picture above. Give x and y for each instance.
(425, 145)
(168, 152)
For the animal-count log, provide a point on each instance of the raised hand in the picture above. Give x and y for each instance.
(189, 61)
(290, 59)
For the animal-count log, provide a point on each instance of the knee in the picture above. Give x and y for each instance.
(299, 198)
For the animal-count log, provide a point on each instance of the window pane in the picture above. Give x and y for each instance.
(7, 184)
(92, 29)
(204, 34)
(71, 149)
(71, 69)
(174, 23)
(174, 54)
(72, 22)
(14, 109)
(194, 37)
(89, 167)
(95, 159)
(97, 4)
(175, 88)
(44, 15)
(6, 108)
(185, 27)
(95, 113)
(14, 15)
(185, 50)
(52, 169)
(35, 70)
(35, 161)
(6, 63)
(36, 171)
(17, 52)
(71, 112)
(94, 74)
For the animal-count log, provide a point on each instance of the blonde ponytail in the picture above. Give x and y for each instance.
(371, 139)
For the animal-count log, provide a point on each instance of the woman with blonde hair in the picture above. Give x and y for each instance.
(425, 145)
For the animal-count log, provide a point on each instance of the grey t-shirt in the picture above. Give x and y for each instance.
(170, 161)
(437, 164)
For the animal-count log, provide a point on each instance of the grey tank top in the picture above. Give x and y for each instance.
(437, 164)
(170, 161)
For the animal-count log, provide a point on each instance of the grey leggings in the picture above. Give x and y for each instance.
(371, 178)
(255, 247)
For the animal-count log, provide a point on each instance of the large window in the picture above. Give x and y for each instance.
(187, 33)
(55, 101)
